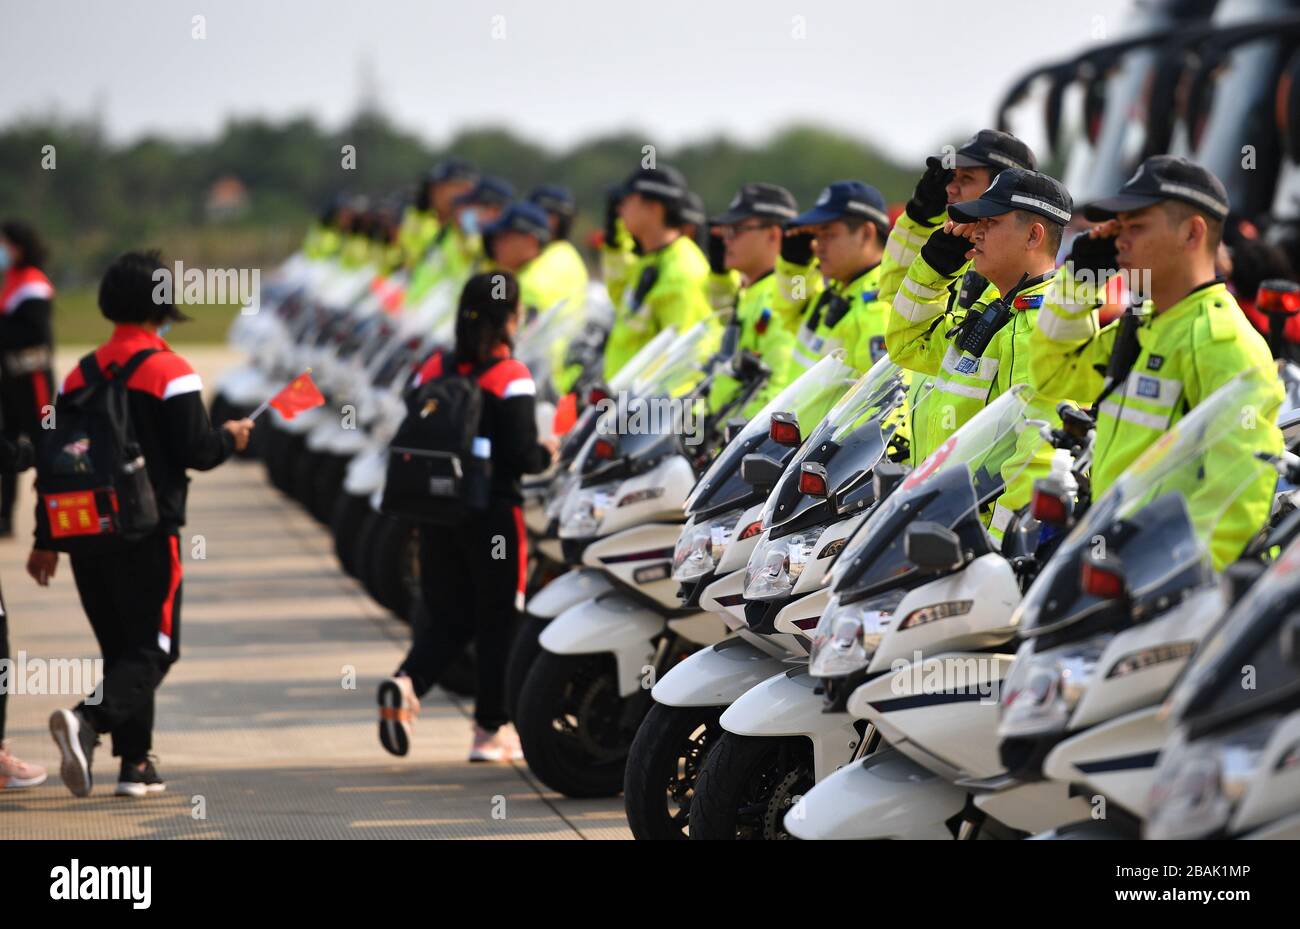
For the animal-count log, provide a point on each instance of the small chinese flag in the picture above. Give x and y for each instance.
(298, 395)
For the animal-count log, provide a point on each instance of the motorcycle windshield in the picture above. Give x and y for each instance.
(1002, 444)
(662, 407)
(651, 411)
(578, 440)
(809, 397)
(1253, 634)
(1158, 519)
(538, 338)
(848, 442)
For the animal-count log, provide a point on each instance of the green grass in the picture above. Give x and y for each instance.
(77, 321)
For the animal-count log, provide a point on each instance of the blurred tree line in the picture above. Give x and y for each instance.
(98, 198)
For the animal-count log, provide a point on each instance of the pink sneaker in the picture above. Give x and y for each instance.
(16, 773)
(500, 746)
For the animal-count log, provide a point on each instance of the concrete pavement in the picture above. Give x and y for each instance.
(266, 727)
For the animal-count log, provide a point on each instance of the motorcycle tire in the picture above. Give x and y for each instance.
(391, 563)
(665, 760)
(574, 727)
(327, 486)
(303, 477)
(346, 522)
(747, 785)
(524, 649)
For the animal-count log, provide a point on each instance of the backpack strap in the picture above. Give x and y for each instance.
(124, 372)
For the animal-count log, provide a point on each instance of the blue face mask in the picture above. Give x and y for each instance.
(469, 221)
(164, 329)
(5, 258)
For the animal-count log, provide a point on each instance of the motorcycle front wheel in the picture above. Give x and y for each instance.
(663, 766)
(574, 727)
(748, 784)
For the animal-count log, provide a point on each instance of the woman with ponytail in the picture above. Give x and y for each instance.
(473, 575)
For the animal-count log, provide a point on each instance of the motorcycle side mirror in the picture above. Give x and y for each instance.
(784, 430)
(760, 471)
(1238, 577)
(932, 547)
(887, 476)
(1291, 640)
(733, 429)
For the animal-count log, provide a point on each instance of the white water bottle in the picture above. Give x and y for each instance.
(480, 473)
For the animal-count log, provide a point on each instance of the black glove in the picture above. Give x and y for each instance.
(613, 197)
(717, 254)
(796, 248)
(930, 198)
(945, 252)
(1095, 255)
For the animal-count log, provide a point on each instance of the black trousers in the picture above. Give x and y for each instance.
(21, 399)
(4, 657)
(133, 601)
(473, 583)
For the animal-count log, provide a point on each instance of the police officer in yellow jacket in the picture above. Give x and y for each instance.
(457, 250)
(563, 268)
(749, 234)
(849, 224)
(1012, 232)
(1166, 222)
(952, 176)
(666, 284)
(432, 208)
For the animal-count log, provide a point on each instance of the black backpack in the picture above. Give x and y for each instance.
(93, 487)
(439, 466)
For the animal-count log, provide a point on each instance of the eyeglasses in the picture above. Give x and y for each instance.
(734, 232)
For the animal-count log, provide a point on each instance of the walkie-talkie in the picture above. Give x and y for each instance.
(977, 333)
(973, 284)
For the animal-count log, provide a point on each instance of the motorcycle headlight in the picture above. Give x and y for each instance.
(584, 510)
(1043, 688)
(700, 546)
(775, 565)
(1198, 784)
(847, 635)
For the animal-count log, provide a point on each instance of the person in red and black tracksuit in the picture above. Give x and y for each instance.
(133, 597)
(473, 576)
(26, 346)
(15, 773)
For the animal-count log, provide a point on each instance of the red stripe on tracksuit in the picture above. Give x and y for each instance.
(41, 391)
(173, 585)
(522, 536)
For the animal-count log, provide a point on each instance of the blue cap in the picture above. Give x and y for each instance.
(452, 169)
(528, 218)
(845, 199)
(489, 191)
(554, 199)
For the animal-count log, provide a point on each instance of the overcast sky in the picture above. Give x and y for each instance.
(905, 74)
